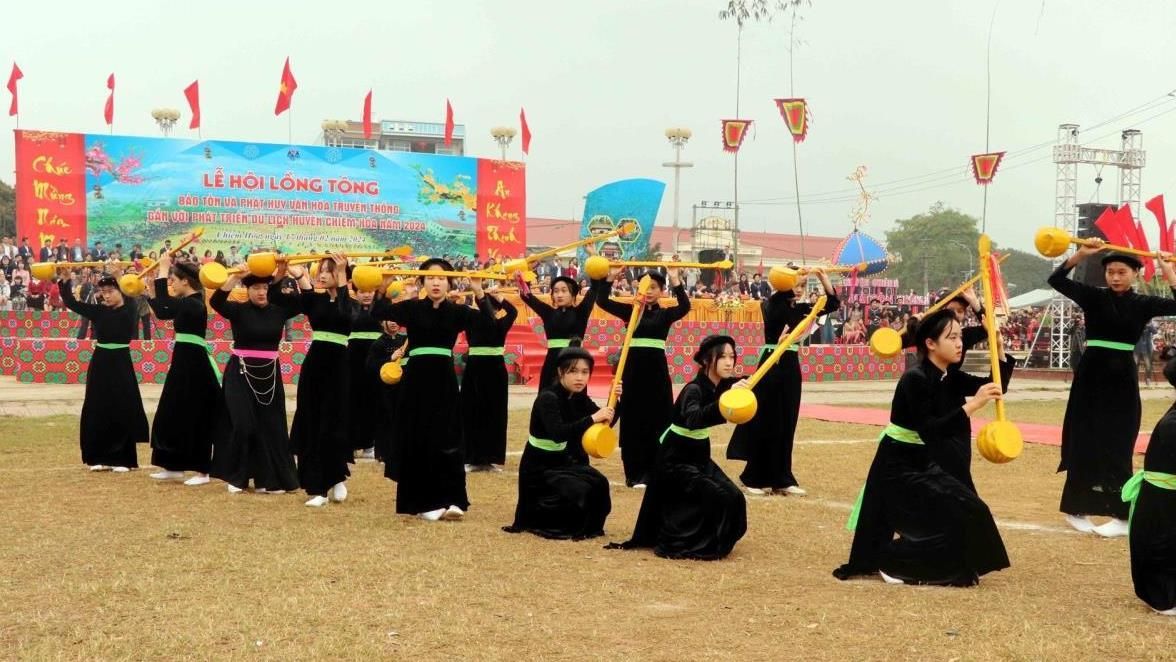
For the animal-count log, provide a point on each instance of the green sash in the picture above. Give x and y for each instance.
(546, 444)
(771, 347)
(193, 339)
(365, 335)
(1130, 492)
(648, 343)
(112, 345)
(684, 432)
(329, 336)
(430, 351)
(487, 351)
(557, 343)
(897, 433)
(1110, 344)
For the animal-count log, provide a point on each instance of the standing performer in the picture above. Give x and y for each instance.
(318, 435)
(651, 394)
(559, 495)
(252, 441)
(1152, 495)
(113, 420)
(390, 346)
(561, 321)
(181, 442)
(692, 510)
(364, 400)
(765, 442)
(946, 534)
(1102, 415)
(428, 443)
(483, 385)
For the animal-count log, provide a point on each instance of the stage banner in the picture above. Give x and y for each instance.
(134, 190)
(618, 202)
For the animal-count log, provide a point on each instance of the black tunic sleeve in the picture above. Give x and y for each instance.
(584, 308)
(540, 307)
(87, 310)
(973, 335)
(400, 312)
(164, 304)
(221, 304)
(918, 398)
(968, 384)
(622, 311)
(694, 412)
(1161, 307)
(683, 308)
(547, 406)
(512, 314)
(1080, 293)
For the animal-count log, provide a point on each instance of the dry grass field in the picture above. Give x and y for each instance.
(111, 567)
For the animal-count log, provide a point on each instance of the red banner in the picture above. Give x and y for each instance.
(502, 209)
(50, 187)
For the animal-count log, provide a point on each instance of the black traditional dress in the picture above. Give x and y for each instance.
(428, 450)
(112, 420)
(766, 441)
(560, 496)
(191, 401)
(1153, 518)
(318, 435)
(946, 534)
(691, 509)
(649, 394)
(483, 385)
(252, 440)
(559, 325)
(378, 354)
(1103, 412)
(364, 402)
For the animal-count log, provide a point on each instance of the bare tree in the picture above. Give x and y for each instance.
(742, 11)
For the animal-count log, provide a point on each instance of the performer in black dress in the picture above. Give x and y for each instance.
(562, 320)
(112, 420)
(766, 441)
(1152, 495)
(390, 346)
(1103, 411)
(179, 441)
(252, 441)
(318, 436)
(484, 387)
(650, 394)
(560, 496)
(946, 534)
(692, 510)
(364, 401)
(961, 305)
(428, 449)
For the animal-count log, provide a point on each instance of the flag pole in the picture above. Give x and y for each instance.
(290, 124)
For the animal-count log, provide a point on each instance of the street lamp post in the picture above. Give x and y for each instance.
(165, 119)
(503, 135)
(332, 131)
(678, 138)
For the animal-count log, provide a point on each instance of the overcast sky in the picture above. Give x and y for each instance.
(896, 86)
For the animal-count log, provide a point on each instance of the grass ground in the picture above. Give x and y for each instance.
(104, 566)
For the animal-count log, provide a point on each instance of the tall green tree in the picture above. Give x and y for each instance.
(939, 250)
(7, 210)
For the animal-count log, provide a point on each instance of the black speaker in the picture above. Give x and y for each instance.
(707, 276)
(1091, 271)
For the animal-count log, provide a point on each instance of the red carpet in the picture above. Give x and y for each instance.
(1034, 433)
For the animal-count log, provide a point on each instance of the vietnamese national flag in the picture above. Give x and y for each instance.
(448, 123)
(16, 75)
(367, 116)
(108, 112)
(285, 89)
(192, 93)
(526, 131)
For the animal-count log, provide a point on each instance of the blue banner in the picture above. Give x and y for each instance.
(621, 201)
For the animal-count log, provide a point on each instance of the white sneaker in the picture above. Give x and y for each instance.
(1116, 528)
(890, 580)
(339, 493)
(794, 490)
(167, 475)
(367, 454)
(755, 491)
(432, 515)
(99, 467)
(198, 479)
(233, 489)
(469, 469)
(453, 514)
(1166, 612)
(494, 467)
(317, 501)
(1080, 524)
(639, 486)
(120, 470)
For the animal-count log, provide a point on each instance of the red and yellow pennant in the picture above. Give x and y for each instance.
(796, 115)
(984, 166)
(1000, 294)
(734, 131)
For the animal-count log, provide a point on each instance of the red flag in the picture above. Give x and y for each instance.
(526, 131)
(999, 294)
(734, 131)
(108, 112)
(192, 93)
(367, 116)
(796, 116)
(1156, 207)
(285, 89)
(984, 167)
(16, 75)
(448, 123)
